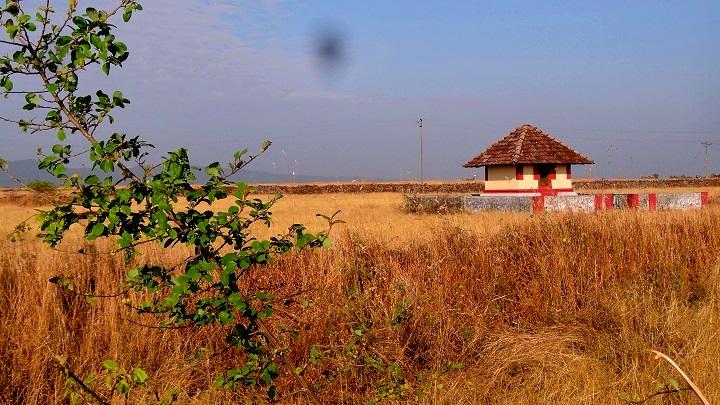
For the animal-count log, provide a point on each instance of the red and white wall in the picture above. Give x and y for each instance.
(525, 179)
(585, 202)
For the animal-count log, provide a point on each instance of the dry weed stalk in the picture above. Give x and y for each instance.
(692, 385)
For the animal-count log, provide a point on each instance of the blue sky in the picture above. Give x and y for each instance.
(635, 85)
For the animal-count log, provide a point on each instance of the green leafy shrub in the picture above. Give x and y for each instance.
(55, 49)
(41, 186)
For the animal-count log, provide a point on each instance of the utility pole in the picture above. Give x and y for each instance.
(422, 174)
(707, 161)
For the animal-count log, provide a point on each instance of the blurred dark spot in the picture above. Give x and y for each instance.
(329, 49)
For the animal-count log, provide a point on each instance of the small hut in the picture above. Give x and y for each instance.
(528, 162)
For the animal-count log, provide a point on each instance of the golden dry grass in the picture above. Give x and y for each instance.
(483, 308)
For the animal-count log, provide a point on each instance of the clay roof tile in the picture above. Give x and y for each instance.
(528, 144)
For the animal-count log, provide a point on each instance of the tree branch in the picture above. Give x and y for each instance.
(64, 367)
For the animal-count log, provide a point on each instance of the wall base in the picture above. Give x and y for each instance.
(573, 202)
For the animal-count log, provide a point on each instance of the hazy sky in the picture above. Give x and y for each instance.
(634, 85)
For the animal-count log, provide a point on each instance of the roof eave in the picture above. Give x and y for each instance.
(473, 165)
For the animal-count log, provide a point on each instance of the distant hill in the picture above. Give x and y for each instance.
(27, 170)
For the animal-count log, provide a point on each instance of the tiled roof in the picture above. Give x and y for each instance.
(528, 144)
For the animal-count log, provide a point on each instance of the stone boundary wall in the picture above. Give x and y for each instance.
(562, 203)
(470, 187)
(571, 203)
(679, 201)
(433, 203)
(497, 203)
(464, 187)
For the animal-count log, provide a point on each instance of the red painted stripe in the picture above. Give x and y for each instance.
(608, 201)
(703, 198)
(536, 172)
(598, 202)
(553, 173)
(519, 172)
(633, 200)
(530, 190)
(652, 201)
(603, 202)
(569, 172)
(538, 203)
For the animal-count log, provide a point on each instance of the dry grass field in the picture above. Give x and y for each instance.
(460, 308)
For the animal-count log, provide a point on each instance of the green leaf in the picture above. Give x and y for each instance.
(225, 318)
(264, 296)
(315, 355)
(58, 170)
(133, 273)
(213, 170)
(11, 29)
(63, 40)
(97, 230)
(7, 84)
(140, 375)
(122, 387)
(92, 13)
(194, 273)
(79, 21)
(110, 365)
(266, 312)
(12, 8)
(125, 240)
(61, 135)
(105, 68)
(106, 166)
(236, 300)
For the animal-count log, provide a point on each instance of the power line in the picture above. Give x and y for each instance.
(648, 131)
(631, 140)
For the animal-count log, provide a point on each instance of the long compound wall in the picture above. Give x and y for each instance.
(586, 202)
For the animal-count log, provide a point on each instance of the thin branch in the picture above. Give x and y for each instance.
(142, 242)
(63, 365)
(11, 42)
(670, 391)
(276, 344)
(157, 327)
(45, 23)
(26, 92)
(115, 295)
(21, 183)
(79, 153)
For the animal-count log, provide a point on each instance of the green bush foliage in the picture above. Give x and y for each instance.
(41, 186)
(50, 51)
